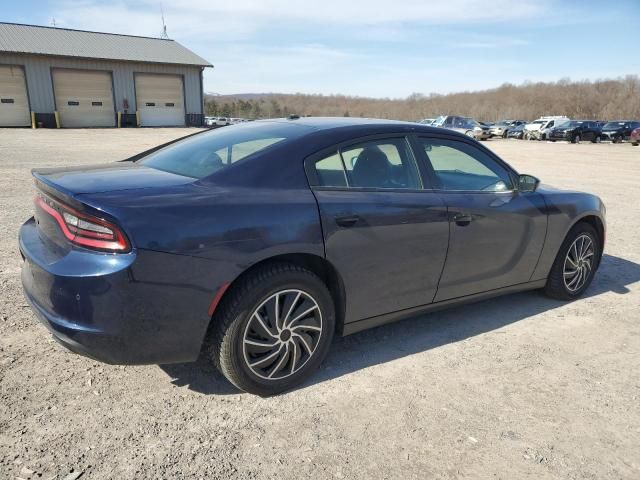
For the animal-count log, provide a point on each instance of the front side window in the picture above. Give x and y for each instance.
(384, 163)
(459, 166)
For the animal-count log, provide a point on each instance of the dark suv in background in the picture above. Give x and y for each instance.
(618, 130)
(576, 130)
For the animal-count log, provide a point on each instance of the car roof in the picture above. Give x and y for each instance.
(357, 124)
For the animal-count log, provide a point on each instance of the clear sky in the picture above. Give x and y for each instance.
(379, 48)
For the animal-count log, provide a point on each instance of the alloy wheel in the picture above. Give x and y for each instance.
(576, 139)
(282, 334)
(578, 263)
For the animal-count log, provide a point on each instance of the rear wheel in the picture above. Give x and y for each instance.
(575, 264)
(273, 330)
(597, 139)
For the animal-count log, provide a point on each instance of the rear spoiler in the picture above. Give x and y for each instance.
(140, 155)
(47, 186)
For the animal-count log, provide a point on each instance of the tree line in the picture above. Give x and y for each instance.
(610, 99)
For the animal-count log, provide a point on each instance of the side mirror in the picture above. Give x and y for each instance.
(527, 183)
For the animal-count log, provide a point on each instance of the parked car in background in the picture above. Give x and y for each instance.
(204, 242)
(501, 129)
(516, 132)
(222, 121)
(544, 125)
(619, 130)
(209, 121)
(634, 138)
(575, 131)
(466, 125)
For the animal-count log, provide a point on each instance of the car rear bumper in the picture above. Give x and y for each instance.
(111, 307)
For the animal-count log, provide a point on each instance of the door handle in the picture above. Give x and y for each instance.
(463, 219)
(347, 221)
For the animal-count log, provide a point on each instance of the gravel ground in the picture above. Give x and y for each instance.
(515, 387)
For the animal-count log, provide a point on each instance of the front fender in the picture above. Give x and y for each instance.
(564, 210)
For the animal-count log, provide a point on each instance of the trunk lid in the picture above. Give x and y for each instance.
(107, 178)
(66, 186)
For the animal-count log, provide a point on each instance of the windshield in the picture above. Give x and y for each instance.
(571, 124)
(438, 122)
(201, 155)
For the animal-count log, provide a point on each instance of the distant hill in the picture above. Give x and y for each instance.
(609, 99)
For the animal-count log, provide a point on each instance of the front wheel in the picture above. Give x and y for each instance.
(575, 264)
(273, 330)
(576, 139)
(469, 133)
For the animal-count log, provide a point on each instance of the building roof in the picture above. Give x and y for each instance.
(37, 40)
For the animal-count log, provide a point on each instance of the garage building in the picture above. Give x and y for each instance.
(58, 77)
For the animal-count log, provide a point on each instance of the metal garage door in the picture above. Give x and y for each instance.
(160, 100)
(84, 98)
(14, 103)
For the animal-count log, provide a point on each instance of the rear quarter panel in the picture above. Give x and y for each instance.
(193, 240)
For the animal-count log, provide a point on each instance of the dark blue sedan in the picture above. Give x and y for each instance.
(257, 243)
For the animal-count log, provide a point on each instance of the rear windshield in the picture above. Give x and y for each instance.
(204, 154)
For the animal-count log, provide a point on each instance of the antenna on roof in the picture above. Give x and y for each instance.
(53, 22)
(164, 25)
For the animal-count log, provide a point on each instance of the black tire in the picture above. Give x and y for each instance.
(556, 287)
(235, 311)
(617, 139)
(505, 133)
(576, 139)
(635, 144)
(596, 139)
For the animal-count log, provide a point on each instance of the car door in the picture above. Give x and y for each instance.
(384, 233)
(588, 131)
(496, 233)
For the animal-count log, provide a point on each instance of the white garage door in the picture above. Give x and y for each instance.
(84, 98)
(160, 100)
(14, 104)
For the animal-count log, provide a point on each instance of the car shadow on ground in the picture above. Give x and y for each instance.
(423, 332)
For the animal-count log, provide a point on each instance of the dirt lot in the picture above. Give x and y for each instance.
(517, 387)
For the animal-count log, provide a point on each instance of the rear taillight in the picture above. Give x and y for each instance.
(82, 229)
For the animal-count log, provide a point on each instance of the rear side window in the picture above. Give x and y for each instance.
(459, 166)
(331, 172)
(204, 154)
(386, 163)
